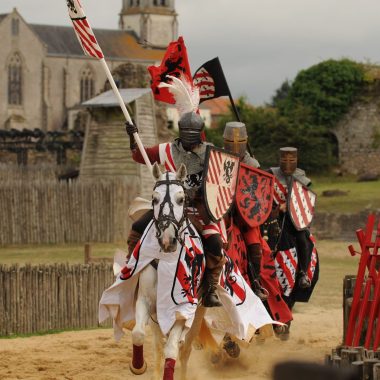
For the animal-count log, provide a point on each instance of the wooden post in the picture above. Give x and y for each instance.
(87, 253)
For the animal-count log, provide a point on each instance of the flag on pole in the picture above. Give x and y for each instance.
(83, 30)
(211, 80)
(175, 63)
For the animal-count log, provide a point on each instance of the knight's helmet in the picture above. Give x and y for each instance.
(187, 99)
(235, 138)
(288, 160)
(190, 127)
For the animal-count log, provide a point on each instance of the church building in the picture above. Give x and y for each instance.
(45, 75)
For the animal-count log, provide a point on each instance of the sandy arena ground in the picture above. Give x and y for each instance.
(95, 354)
(316, 329)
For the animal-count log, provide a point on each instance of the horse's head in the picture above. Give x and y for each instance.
(168, 206)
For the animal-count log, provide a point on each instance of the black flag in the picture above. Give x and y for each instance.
(211, 80)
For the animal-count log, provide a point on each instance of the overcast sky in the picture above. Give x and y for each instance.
(260, 43)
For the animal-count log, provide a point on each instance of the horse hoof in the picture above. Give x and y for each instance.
(282, 332)
(138, 371)
(232, 349)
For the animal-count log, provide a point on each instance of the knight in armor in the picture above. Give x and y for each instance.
(235, 141)
(190, 150)
(285, 174)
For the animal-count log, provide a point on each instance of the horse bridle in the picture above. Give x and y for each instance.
(163, 221)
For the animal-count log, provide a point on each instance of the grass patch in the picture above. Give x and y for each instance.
(361, 195)
(54, 253)
(51, 332)
(335, 263)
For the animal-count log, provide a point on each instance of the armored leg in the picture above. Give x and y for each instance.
(254, 253)
(214, 265)
(303, 249)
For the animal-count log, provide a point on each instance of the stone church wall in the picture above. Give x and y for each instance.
(31, 51)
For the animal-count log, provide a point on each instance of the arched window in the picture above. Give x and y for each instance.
(86, 84)
(15, 27)
(15, 80)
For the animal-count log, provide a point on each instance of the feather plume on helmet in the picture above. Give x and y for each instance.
(185, 94)
(187, 99)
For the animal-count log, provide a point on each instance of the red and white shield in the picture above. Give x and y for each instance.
(219, 183)
(301, 205)
(254, 194)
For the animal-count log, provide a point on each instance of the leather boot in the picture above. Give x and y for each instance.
(132, 241)
(214, 266)
(254, 254)
(303, 281)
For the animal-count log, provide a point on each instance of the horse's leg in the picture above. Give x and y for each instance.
(158, 341)
(185, 350)
(171, 349)
(147, 286)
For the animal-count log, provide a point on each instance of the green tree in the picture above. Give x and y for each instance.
(325, 91)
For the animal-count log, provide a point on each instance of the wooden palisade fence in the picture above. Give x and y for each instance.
(47, 211)
(51, 297)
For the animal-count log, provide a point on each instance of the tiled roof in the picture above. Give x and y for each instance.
(3, 15)
(61, 40)
(217, 106)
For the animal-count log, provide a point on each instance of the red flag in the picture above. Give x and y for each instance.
(83, 30)
(175, 63)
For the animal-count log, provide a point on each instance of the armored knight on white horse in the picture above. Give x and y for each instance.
(168, 234)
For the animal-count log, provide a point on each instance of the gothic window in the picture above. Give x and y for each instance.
(15, 80)
(155, 2)
(15, 27)
(86, 84)
(131, 3)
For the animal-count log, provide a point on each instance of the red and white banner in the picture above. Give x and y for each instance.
(219, 183)
(301, 205)
(83, 30)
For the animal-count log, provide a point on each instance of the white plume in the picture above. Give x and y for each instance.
(186, 96)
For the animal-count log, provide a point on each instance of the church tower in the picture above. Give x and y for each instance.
(154, 21)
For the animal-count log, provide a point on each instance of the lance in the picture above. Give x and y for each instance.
(91, 48)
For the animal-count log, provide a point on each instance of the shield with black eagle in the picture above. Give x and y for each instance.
(219, 181)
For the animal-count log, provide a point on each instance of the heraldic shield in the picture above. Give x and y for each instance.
(254, 194)
(219, 181)
(301, 205)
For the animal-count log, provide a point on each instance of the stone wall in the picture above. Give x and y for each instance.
(358, 135)
(339, 226)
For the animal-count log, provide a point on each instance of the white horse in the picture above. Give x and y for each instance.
(167, 296)
(170, 222)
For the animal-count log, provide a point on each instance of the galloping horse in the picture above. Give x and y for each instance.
(159, 284)
(165, 272)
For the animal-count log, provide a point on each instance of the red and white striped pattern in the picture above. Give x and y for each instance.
(220, 193)
(166, 157)
(313, 261)
(204, 81)
(302, 201)
(83, 30)
(280, 192)
(286, 268)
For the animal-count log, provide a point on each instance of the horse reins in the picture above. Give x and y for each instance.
(163, 221)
